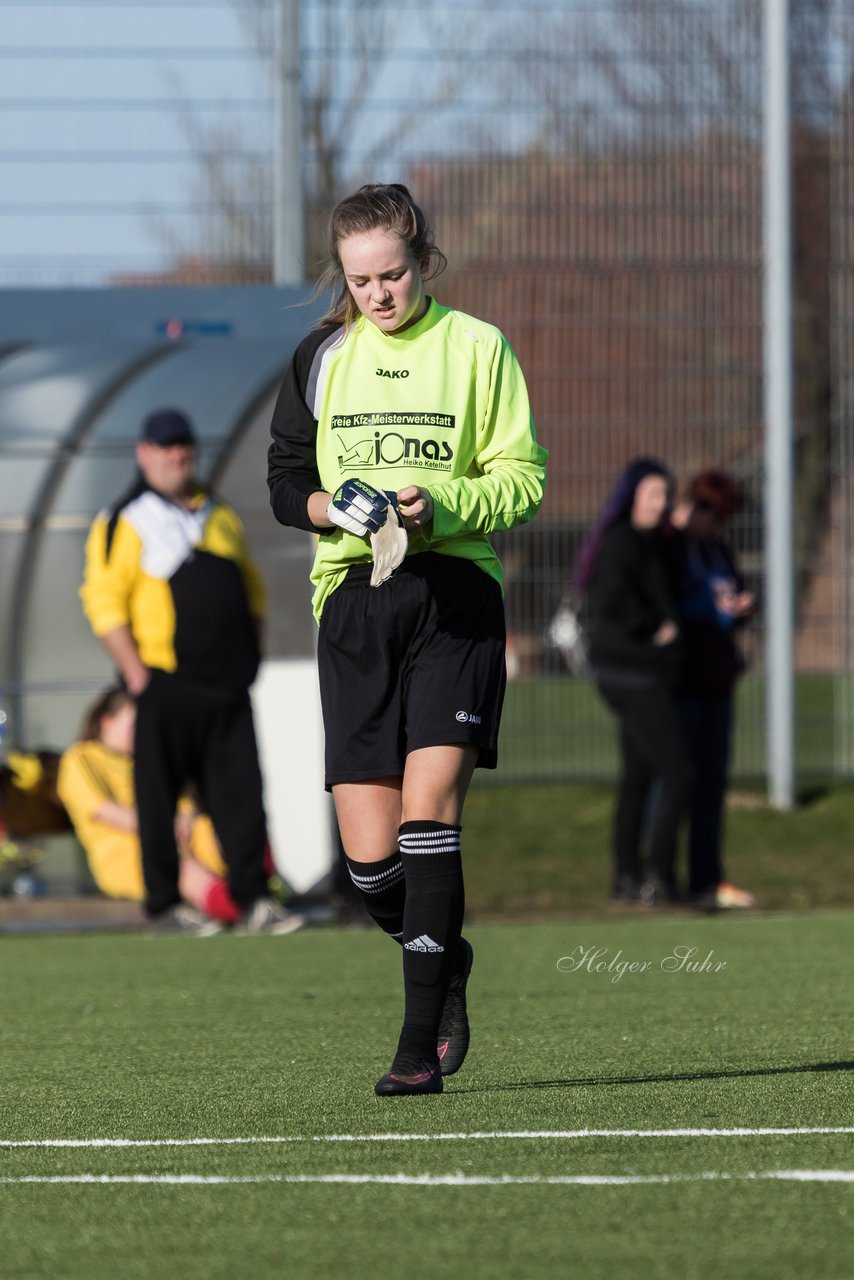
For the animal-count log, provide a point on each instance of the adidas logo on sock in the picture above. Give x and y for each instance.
(424, 943)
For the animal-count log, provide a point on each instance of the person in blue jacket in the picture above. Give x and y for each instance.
(713, 606)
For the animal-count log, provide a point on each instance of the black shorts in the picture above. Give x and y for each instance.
(417, 662)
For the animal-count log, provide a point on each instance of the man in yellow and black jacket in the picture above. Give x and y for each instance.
(171, 593)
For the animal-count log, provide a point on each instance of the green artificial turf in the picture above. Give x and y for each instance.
(151, 1038)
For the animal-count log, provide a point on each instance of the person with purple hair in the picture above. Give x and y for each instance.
(635, 652)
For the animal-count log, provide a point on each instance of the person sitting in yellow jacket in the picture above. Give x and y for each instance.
(96, 786)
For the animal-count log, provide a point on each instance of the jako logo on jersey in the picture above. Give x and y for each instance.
(465, 718)
(392, 373)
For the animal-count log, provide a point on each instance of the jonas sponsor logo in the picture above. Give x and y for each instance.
(393, 447)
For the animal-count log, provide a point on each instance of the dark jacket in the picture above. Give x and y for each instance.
(713, 658)
(628, 599)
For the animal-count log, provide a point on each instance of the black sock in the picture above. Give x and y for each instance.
(382, 886)
(432, 922)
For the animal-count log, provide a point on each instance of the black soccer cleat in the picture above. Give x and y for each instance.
(454, 1035)
(409, 1074)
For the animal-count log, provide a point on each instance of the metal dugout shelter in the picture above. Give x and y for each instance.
(79, 370)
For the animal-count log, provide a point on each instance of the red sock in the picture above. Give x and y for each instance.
(219, 903)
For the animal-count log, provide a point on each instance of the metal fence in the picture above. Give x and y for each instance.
(594, 172)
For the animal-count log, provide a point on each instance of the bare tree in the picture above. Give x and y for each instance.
(357, 47)
(661, 81)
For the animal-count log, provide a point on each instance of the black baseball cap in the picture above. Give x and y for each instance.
(167, 426)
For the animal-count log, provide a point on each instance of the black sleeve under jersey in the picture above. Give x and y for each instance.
(292, 457)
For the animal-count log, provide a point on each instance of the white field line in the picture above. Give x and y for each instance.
(560, 1134)
(445, 1180)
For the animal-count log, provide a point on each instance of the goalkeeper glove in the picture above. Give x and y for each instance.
(360, 508)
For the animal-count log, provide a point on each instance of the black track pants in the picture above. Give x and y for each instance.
(187, 733)
(653, 750)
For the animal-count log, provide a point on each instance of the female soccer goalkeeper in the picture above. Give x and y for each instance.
(403, 437)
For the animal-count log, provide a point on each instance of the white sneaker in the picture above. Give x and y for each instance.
(269, 916)
(185, 919)
(730, 898)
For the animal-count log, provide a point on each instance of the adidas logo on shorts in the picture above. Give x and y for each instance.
(424, 943)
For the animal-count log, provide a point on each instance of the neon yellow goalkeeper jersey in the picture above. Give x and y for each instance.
(442, 405)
